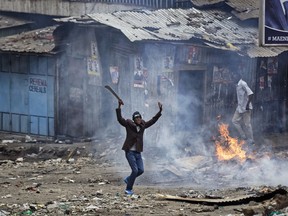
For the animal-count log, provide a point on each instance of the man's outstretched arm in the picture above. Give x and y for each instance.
(156, 117)
(120, 119)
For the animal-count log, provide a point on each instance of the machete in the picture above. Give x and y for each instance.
(113, 92)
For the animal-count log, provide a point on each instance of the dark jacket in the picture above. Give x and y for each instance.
(274, 15)
(132, 136)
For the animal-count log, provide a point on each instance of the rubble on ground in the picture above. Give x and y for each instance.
(86, 178)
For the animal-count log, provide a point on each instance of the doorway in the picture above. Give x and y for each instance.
(190, 100)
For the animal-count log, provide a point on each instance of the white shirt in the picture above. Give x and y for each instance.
(243, 91)
(133, 148)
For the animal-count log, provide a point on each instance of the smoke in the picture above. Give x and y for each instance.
(267, 171)
(187, 154)
(173, 156)
(178, 148)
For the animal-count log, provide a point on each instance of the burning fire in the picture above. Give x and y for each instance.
(227, 147)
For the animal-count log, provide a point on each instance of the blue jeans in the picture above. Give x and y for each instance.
(136, 163)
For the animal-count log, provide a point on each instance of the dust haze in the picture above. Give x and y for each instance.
(179, 140)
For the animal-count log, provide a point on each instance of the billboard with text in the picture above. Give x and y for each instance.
(274, 23)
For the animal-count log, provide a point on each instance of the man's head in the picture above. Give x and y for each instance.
(236, 77)
(137, 117)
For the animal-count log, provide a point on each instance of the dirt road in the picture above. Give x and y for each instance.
(86, 178)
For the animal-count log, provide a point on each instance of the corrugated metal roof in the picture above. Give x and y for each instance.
(201, 3)
(37, 41)
(245, 9)
(179, 24)
(255, 51)
(7, 22)
(84, 19)
(216, 28)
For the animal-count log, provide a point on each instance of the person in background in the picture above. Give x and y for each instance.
(133, 144)
(242, 116)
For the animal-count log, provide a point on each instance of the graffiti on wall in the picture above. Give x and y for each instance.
(37, 85)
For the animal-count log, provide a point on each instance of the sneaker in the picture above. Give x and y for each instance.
(129, 192)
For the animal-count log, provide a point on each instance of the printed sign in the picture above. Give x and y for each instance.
(139, 73)
(37, 85)
(275, 22)
(114, 72)
(168, 64)
(93, 67)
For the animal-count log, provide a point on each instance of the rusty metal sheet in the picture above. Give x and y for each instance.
(37, 41)
(199, 200)
(216, 28)
(245, 9)
(227, 201)
(7, 22)
(76, 19)
(255, 51)
(179, 24)
(201, 3)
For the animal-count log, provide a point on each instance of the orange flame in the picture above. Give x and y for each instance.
(227, 147)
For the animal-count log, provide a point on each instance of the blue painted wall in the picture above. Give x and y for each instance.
(27, 96)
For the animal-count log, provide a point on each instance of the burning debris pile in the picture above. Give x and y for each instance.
(229, 148)
(230, 163)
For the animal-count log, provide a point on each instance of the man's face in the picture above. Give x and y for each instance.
(236, 78)
(137, 120)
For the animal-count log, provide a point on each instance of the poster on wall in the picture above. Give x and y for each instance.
(193, 55)
(274, 22)
(261, 82)
(94, 52)
(263, 67)
(114, 73)
(75, 94)
(272, 65)
(269, 81)
(140, 73)
(168, 64)
(164, 83)
(221, 74)
(93, 67)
